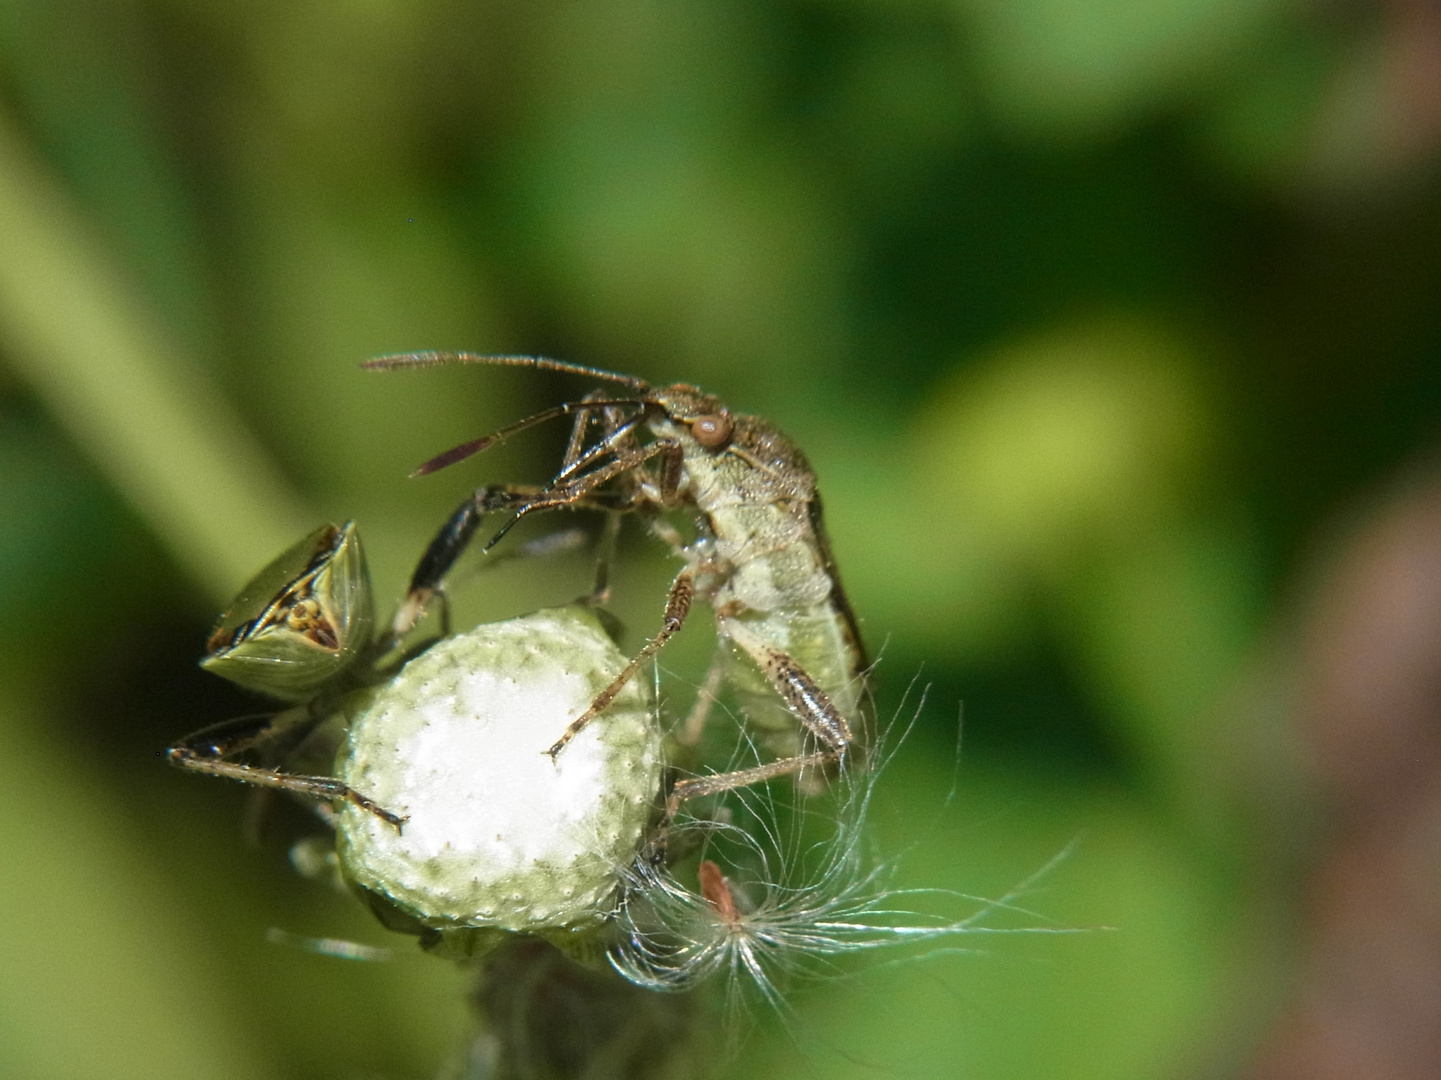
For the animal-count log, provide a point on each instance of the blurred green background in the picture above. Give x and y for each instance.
(1097, 318)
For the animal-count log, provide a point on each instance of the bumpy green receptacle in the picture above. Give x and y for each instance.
(500, 836)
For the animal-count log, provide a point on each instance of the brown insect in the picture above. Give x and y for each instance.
(760, 557)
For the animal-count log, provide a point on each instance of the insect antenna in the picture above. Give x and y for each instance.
(544, 363)
(475, 446)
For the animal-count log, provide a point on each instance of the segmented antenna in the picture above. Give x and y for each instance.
(544, 363)
(485, 442)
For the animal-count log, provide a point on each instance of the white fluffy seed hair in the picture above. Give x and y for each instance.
(797, 900)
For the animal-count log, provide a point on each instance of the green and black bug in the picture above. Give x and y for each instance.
(302, 631)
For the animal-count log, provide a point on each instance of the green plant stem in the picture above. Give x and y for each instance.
(71, 328)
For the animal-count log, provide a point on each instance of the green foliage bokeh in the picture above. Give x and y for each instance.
(1089, 315)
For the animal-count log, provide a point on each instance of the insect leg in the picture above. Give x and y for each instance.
(618, 430)
(574, 492)
(576, 444)
(605, 552)
(446, 547)
(428, 581)
(619, 437)
(669, 535)
(677, 607)
(209, 751)
(694, 725)
(712, 785)
(810, 704)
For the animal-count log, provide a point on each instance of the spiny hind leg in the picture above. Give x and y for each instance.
(804, 698)
(698, 786)
(677, 607)
(811, 705)
(211, 749)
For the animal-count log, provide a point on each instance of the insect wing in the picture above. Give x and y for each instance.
(300, 621)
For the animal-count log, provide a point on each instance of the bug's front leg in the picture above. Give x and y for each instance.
(579, 490)
(427, 582)
(211, 750)
(618, 436)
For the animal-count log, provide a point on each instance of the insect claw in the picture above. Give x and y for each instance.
(503, 530)
(396, 820)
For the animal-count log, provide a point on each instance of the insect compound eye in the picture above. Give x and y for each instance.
(712, 431)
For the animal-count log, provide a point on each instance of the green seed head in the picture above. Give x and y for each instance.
(499, 835)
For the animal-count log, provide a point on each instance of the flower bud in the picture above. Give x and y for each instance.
(498, 836)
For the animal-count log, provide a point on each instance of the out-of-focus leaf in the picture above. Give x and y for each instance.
(1065, 439)
(1161, 627)
(652, 232)
(1377, 123)
(163, 436)
(84, 75)
(1021, 467)
(1129, 997)
(104, 977)
(67, 548)
(1069, 69)
(1260, 126)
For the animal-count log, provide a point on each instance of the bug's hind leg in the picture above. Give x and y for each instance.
(811, 705)
(697, 786)
(690, 731)
(211, 750)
